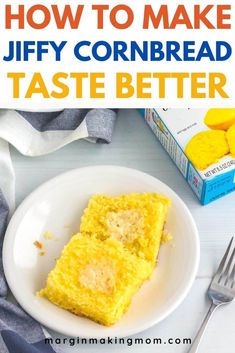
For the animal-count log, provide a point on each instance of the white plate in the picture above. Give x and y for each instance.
(60, 202)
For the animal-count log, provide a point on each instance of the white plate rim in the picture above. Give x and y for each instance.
(9, 238)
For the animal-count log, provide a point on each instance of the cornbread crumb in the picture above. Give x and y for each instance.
(38, 244)
(42, 253)
(125, 225)
(166, 237)
(48, 235)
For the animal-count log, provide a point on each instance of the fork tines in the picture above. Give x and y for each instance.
(225, 274)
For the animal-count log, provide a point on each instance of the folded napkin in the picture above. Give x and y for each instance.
(35, 134)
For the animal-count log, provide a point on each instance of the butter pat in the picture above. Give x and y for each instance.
(98, 275)
(126, 225)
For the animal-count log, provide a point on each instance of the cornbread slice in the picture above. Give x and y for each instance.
(96, 279)
(220, 119)
(136, 220)
(206, 148)
(231, 139)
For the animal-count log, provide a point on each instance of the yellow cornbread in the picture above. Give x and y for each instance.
(231, 139)
(136, 220)
(220, 119)
(206, 148)
(96, 279)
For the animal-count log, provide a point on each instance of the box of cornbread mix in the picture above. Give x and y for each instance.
(201, 142)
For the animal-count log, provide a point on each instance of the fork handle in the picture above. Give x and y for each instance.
(198, 338)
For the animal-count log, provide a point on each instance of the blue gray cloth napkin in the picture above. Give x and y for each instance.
(36, 134)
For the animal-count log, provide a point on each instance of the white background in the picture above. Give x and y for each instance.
(88, 31)
(135, 146)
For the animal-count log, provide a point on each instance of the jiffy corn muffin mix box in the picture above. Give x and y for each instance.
(201, 142)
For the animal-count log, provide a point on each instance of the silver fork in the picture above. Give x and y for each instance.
(221, 290)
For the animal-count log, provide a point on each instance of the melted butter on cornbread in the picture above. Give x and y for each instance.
(125, 225)
(98, 276)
